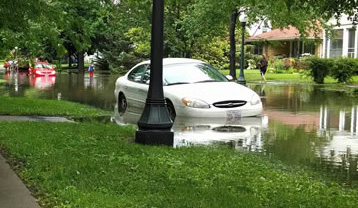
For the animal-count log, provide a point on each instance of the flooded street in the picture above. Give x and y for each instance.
(302, 124)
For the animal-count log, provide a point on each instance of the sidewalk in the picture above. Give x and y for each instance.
(13, 193)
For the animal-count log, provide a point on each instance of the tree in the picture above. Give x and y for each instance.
(210, 17)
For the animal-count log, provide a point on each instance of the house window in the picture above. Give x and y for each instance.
(309, 48)
(351, 42)
(258, 49)
(336, 47)
(264, 29)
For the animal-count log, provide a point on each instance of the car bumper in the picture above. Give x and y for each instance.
(44, 75)
(213, 112)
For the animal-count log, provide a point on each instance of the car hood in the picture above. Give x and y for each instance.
(42, 69)
(210, 92)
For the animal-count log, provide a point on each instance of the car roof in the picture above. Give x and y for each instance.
(168, 61)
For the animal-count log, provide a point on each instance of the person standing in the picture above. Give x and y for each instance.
(263, 67)
(91, 70)
(6, 66)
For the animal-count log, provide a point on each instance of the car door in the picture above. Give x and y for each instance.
(133, 88)
(144, 87)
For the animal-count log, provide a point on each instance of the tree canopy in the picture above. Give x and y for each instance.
(120, 30)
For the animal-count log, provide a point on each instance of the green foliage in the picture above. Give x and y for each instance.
(278, 66)
(320, 68)
(212, 51)
(343, 69)
(288, 63)
(302, 64)
(139, 42)
(53, 29)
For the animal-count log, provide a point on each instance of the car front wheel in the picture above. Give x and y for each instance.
(171, 110)
(122, 103)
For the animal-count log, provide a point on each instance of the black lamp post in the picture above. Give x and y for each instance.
(243, 20)
(154, 126)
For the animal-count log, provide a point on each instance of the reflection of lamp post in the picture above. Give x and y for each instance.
(154, 126)
(243, 20)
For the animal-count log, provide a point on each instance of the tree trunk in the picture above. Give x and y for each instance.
(69, 61)
(81, 62)
(233, 44)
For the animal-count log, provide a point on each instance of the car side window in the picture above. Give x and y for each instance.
(137, 73)
(146, 77)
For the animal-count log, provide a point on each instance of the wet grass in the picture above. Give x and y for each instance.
(37, 107)
(253, 75)
(97, 165)
(92, 164)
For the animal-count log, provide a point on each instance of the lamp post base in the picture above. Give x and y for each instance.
(148, 137)
(241, 81)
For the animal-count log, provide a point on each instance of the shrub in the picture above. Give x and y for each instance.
(288, 63)
(320, 68)
(253, 61)
(343, 69)
(355, 70)
(302, 64)
(278, 66)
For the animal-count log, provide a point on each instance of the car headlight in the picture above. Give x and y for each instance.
(195, 103)
(255, 99)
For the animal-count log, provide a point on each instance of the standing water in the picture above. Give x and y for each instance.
(308, 125)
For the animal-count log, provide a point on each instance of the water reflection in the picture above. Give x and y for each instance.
(42, 83)
(244, 133)
(16, 79)
(96, 91)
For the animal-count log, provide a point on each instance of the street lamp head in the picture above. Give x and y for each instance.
(16, 47)
(243, 17)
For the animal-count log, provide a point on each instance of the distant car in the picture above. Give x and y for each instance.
(192, 88)
(42, 69)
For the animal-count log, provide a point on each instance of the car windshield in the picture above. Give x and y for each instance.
(191, 73)
(43, 66)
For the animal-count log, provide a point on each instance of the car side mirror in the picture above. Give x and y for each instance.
(229, 77)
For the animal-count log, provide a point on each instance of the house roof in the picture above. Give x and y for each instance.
(289, 33)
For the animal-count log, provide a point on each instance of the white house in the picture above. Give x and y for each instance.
(259, 27)
(345, 41)
(93, 57)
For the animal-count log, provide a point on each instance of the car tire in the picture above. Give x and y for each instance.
(122, 103)
(171, 110)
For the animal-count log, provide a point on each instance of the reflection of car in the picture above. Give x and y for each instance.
(191, 88)
(43, 82)
(244, 133)
(42, 69)
(19, 78)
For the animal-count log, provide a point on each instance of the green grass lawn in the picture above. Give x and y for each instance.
(98, 165)
(254, 76)
(32, 106)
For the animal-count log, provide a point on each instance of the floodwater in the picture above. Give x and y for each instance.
(302, 124)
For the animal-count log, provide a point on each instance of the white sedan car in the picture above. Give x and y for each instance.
(192, 88)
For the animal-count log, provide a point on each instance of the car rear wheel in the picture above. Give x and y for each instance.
(171, 110)
(122, 103)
